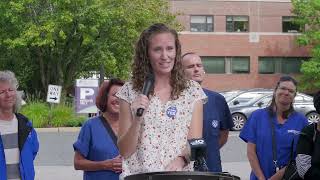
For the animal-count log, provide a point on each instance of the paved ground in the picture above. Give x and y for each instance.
(55, 158)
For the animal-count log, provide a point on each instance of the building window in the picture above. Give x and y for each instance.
(285, 65)
(291, 65)
(201, 24)
(240, 65)
(288, 25)
(222, 65)
(267, 65)
(214, 65)
(237, 23)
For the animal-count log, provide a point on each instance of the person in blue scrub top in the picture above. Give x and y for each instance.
(96, 151)
(217, 120)
(287, 126)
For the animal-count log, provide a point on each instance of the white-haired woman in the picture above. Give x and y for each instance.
(18, 143)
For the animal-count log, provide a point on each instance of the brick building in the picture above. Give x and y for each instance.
(243, 43)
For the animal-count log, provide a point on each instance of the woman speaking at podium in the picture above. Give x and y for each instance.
(172, 110)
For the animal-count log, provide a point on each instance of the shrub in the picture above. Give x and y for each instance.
(37, 112)
(75, 122)
(64, 116)
(60, 115)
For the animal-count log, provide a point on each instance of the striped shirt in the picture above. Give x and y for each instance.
(9, 136)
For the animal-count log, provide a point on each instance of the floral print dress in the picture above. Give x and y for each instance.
(164, 130)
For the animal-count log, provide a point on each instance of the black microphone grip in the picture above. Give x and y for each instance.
(147, 86)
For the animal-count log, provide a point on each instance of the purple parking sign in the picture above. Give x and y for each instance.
(86, 92)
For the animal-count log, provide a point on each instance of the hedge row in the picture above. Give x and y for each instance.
(42, 115)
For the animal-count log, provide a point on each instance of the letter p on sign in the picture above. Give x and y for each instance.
(84, 92)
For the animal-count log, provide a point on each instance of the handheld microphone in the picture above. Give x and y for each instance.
(198, 153)
(147, 86)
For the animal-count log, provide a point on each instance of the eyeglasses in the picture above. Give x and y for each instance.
(291, 91)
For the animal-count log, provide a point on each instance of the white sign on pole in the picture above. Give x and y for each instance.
(54, 93)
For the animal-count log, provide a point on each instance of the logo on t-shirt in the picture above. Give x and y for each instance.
(215, 123)
(171, 111)
(293, 131)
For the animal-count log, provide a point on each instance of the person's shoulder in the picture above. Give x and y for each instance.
(259, 116)
(192, 83)
(299, 115)
(20, 117)
(308, 130)
(261, 112)
(128, 87)
(213, 94)
(128, 84)
(127, 92)
(192, 86)
(91, 121)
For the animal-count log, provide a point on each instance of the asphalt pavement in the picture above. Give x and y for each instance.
(55, 157)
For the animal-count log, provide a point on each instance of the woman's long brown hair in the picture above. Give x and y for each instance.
(142, 66)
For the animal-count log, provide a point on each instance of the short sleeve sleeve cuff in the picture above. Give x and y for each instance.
(197, 92)
(248, 132)
(83, 141)
(124, 92)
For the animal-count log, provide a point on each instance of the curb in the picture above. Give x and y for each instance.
(59, 129)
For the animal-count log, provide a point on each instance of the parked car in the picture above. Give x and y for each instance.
(233, 94)
(242, 107)
(244, 96)
(230, 94)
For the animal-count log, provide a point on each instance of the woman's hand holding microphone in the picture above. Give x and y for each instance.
(139, 106)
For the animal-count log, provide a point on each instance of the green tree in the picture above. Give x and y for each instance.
(56, 41)
(308, 15)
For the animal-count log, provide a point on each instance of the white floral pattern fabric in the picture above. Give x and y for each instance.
(164, 130)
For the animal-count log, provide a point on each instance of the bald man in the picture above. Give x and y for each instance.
(217, 120)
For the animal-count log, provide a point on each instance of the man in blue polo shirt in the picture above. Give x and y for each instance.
(217, 119)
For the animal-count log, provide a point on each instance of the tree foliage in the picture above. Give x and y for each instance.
(56, 41)
(308, 15)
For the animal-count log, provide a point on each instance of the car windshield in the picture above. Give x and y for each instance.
(265, 101)
(247, 98)
(229, 95)
(303, 97)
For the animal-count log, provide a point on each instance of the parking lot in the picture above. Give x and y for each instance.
(243, 102)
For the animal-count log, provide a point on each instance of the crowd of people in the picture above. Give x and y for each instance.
(121, 142)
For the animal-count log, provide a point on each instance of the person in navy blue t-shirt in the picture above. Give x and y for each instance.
(217, 119)
(96, 151)
(257, 132)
